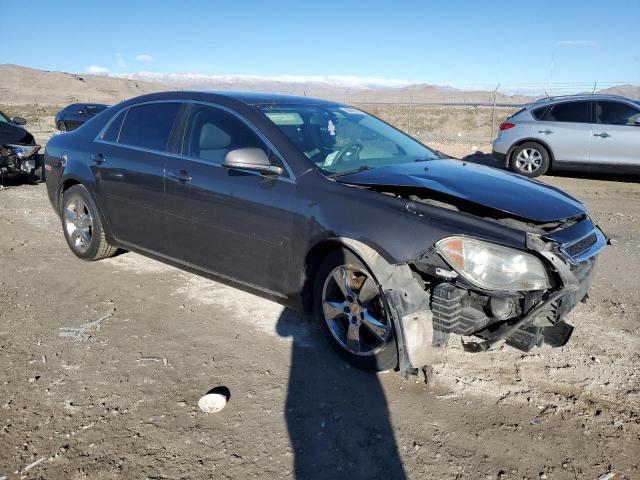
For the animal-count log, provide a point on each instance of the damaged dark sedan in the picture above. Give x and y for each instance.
(330, 211)
(18, 150)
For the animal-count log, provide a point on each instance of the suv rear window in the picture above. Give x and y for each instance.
(149, 126)
(538, 113)
(576, 112)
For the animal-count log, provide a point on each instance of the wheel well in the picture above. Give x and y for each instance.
(66, 185)
(532, 140)
(314, 258)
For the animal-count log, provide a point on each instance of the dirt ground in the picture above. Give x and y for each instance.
(103, 364)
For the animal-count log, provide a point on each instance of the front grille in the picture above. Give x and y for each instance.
(581, 245)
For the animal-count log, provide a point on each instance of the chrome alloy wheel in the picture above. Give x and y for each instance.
(355, 311)
(529, 160)
(78, 222)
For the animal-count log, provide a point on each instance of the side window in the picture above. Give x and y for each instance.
(538, 113)
(615, 113)
(212, 132)
(113, 130)
(149, 126)
(576, 112)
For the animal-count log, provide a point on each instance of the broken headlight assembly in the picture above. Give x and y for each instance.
(493, 267)
(23, 151)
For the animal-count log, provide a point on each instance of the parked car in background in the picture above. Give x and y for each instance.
(579, 132)
(330, 210)
(18, 150)
(74, 115)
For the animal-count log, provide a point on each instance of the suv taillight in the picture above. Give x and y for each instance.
(506, 125)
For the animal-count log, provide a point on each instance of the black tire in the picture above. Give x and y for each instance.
(539, 162)
(76, 200)
(383, 357)
(62, 126)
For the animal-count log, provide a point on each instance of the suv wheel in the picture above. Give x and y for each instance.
(354, 313)
(530, 159)
(82, 225)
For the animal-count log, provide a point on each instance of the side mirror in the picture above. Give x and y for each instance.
(251, 159)
(19, 121)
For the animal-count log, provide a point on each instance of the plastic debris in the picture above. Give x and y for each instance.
(608, 475)
(212, 402)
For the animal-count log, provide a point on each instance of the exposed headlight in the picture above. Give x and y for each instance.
(24, 151)
(493, 267)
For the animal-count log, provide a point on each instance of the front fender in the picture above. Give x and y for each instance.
(407, 302)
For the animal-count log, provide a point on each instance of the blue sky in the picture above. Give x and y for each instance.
(445, 42)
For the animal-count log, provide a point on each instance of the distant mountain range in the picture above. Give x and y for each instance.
(22, 85)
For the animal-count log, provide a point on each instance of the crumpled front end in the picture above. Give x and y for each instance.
(523, 319)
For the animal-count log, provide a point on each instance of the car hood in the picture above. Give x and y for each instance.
(490, 187)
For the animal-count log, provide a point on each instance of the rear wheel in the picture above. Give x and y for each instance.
(530, 159)
(82, 225)
(354, 313)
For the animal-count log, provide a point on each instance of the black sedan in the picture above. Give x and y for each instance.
(74, 115)
(328, 210)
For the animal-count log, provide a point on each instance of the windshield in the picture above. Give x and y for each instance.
(3, 118)
(340, 139)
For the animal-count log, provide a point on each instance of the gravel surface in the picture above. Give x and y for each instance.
(103, 364)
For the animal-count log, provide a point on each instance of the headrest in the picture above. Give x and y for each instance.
(213, 138)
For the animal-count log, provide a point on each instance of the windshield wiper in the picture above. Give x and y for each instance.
(360, 169)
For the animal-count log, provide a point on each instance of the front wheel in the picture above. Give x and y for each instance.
(354, 313)
(530, 159)
(82, 225)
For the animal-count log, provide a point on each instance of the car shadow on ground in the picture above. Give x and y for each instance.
(336, 415)
(488, 160)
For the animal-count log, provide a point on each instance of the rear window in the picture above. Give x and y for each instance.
(576, 112)
(538, 113)
(113, 130)
(149, 126)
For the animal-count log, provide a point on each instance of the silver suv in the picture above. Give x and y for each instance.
(581, 132)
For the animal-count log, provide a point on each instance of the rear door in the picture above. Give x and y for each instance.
(566, 128)
(235, 223)
(128, 163)
(616, 136)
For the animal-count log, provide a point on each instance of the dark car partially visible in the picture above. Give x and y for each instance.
(74, 115)
(18, 150)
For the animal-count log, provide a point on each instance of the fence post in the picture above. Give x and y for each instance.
(493, 113)
(410, 108)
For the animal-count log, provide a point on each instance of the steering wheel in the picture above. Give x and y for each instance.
(354, 147)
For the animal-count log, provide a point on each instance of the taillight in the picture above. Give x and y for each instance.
(506, 125)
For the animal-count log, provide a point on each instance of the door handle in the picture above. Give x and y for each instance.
(601, 135)
(181, 176)
(98, 158)
(545, 132)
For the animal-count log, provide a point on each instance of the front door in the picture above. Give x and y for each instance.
(615, 135)
(235, 223)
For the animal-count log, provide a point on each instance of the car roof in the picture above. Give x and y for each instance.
(247, 98)
(578, 97)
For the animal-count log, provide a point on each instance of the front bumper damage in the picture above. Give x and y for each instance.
(522, 320)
